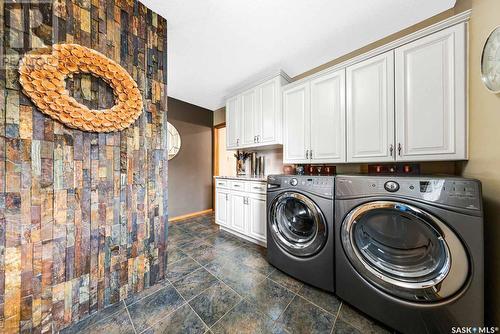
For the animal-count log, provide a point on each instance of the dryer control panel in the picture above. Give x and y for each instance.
(449, 191)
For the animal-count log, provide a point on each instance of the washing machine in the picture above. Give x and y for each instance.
(409, 250)
(300, 227)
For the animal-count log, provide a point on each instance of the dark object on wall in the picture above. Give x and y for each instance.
(83, 216)
(401, 169)
(43, 76)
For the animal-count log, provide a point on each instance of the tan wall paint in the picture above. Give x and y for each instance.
(484, 157)
(219, 116)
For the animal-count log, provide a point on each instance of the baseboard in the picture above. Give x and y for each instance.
(190, 215)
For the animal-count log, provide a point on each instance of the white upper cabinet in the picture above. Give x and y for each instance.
(370, 109)
(233, 122)
(328, 118)
(248, 112)
(431, 97)
(260, 121)
(296, 127)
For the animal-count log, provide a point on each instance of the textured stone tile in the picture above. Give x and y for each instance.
(214, 302)
(243, 318)
(269, 298)
(149, 310)
(253, 259)
(287, 281)
(303, 317)
(146, 292)
(238, 277)
(321, 298)
(342, 327)
(183, 320)
(111, 320)
(174, 255)
(181, 268)
(191, 285)
(356, 319)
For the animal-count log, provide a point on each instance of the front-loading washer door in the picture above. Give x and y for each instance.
(405, 251)
(297, 224)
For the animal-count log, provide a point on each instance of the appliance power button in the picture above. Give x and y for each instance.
(294, 182)
(391, 186)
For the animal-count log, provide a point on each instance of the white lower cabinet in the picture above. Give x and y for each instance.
(256, 212)
(222, 207)
(242, 210)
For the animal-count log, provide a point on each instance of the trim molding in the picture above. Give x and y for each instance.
(190, 215)
(451, 21)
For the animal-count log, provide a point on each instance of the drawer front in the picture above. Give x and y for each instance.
(238, 185)
(222, 183)
(257, 187)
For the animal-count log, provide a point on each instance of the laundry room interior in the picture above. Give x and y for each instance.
(250, 166)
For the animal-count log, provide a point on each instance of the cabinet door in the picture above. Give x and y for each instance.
(257, 217)
(328, 118)
(221, 207)
(370, 109)
(248, 106)
(233, 122)
(238, 217)
(431, 97)
(296, 128)
(268, 116)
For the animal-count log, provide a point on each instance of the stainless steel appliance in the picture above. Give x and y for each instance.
(300, 227)
(409, 250)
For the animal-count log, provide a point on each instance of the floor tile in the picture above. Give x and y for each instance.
(181, 321)
(342, 327)
(223, 241)
(181, 268)
(149, 310)
(287, 281)
(244, 319)
(193, 245)
(113, 319)
(253, 259)
(356, 319)
(240, 278)
(321, 298)
(206, 254)
(146, 292)
(214, 302)
(303, 317)
(269, 298)
(174, 255)
(191, 285)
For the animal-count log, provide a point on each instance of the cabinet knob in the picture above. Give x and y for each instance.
(391, 149)
(399, 149)
(307, 154)
(311, 154)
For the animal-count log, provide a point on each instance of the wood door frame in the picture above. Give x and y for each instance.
(215, 158)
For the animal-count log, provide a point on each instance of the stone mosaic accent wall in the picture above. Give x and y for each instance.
(83, 216)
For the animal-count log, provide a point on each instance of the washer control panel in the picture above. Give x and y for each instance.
(321, 185)
(457, 192)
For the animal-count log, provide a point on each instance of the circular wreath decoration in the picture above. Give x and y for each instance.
(42, 77)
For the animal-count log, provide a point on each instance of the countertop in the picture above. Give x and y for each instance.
(243, 177)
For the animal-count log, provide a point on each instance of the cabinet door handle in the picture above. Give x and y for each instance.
(399, 149)
(311, 154)
(307, 154)
(391, 149)
(258, 138)
(254, 139)
(237, 142)
(226, 197)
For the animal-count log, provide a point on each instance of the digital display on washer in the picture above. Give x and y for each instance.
(425, 187)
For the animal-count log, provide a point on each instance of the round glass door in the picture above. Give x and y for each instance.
(404, 251)
(297, 224)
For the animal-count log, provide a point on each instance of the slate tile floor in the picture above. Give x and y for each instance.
(217, 283)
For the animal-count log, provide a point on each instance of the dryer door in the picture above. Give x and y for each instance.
(405, 251)
(297, 224)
